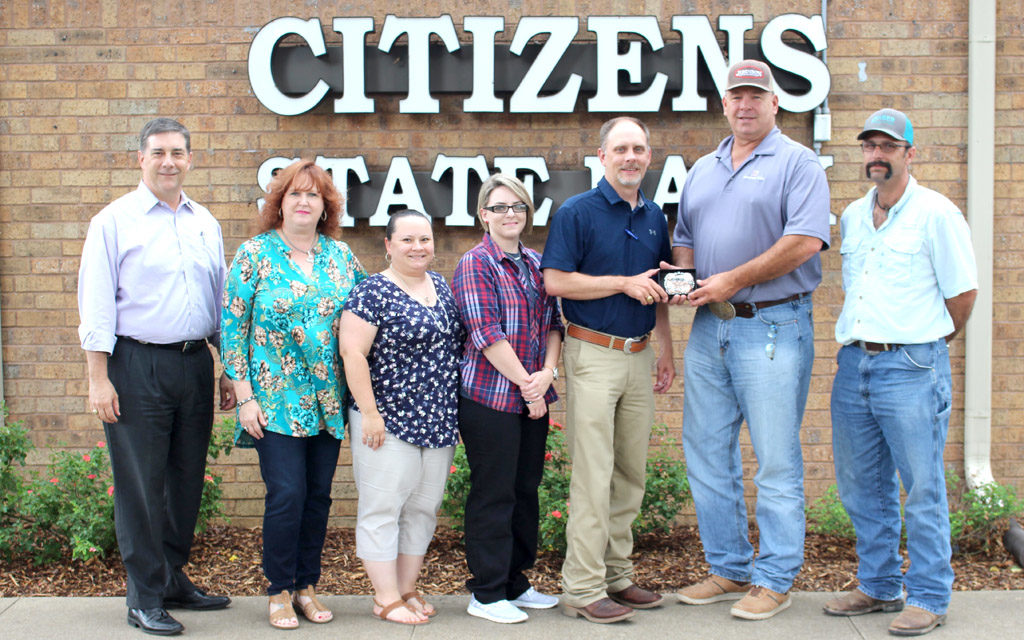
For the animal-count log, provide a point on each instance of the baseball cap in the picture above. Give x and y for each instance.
(890, 122)
(750, 73)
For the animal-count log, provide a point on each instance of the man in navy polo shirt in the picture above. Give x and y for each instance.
(603, 248)
(753, 217)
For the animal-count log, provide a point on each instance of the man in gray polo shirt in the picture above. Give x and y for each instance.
(753, 218)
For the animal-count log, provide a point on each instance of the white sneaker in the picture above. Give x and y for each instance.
(501, 611)
(533, 599)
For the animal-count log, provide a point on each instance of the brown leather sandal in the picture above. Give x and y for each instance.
(385, 610)
(415, 595)
(281, 611)
(313, 610)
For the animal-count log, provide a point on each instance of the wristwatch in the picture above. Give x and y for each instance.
(554, 372)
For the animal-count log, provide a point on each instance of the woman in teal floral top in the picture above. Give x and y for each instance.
(279, 344)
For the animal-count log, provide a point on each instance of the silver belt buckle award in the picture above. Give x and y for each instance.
(677, 282)
(724, 310)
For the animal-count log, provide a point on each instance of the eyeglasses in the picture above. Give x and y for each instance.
(520, 207)
(886, 147)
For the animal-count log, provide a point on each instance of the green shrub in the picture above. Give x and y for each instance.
(977, 517)
(827, 516)
(667, 490)
(70, 509)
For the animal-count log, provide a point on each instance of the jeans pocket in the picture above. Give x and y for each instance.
(919, 356)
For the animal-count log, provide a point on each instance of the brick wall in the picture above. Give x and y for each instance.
(77, 81)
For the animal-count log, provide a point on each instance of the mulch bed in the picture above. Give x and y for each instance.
(226, 559)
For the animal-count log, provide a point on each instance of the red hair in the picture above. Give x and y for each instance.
(302, 173)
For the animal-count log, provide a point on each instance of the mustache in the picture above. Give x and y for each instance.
(878, 163)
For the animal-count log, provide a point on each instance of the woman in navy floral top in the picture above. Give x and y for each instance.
(279, 342)
(511, 360)
(401, 340)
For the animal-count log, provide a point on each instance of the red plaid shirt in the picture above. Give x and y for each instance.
(495, 305)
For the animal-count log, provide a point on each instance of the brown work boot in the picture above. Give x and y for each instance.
(760, 603)
(636, 598)
(713, 589)
(601, 611)
(915, 621)
(857, 603)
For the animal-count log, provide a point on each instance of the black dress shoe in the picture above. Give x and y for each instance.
(197, 600)
(155, 621)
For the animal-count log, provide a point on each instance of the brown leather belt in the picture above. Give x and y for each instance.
(877, 347)
(747, 309)
(626, 345)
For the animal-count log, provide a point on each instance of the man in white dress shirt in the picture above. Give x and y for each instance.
(149, 292)
(910, 281)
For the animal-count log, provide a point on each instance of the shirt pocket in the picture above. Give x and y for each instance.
(903, 251)
(853, 261)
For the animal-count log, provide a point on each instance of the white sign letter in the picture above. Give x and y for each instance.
(261, 76)
(460, 168)
(419, 31)
(610, 61)
(527, 98)
(697, 37)
(483, 30)
(340, 168)
(353, 34)
(802, 64)
(399, 176)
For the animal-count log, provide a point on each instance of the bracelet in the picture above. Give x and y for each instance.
(252, 397)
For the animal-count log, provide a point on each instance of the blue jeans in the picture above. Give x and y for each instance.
(755, 369)
(890, 414)
(298, 474)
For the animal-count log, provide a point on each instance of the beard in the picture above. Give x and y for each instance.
(878, 163)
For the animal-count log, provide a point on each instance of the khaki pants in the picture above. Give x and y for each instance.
(609, 411)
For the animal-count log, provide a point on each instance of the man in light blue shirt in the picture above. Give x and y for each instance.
(753, 218)
(910, 281)
(149, 291)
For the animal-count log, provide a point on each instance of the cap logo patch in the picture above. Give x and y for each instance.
(749, 73)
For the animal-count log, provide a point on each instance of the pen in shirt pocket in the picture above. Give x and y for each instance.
(629, 232)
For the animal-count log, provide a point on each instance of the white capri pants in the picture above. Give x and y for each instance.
(401, 487)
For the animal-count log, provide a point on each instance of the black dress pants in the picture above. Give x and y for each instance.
(158, 458)
(506, 463)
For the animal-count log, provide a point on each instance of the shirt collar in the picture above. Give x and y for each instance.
(766, 147)
(149, 198)
(614, 198)
(494, 250)
(898, 206)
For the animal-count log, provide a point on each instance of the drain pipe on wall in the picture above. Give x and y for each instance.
(981, 86)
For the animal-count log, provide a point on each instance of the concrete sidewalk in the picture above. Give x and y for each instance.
(978, 614)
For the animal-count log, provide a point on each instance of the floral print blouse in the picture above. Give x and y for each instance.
(279, 330)
(414, 359)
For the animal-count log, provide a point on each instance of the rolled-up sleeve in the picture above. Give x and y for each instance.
(476, 295)
(97, 286)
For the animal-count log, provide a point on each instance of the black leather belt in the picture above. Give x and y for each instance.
(877, 347)
(747, 309)
(185, 346)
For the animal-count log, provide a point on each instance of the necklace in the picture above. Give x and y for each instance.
(308, 252)
(427, 300)
(880, 205)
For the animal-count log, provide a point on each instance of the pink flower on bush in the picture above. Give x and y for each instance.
(110, 490)
(208, 478)
(29, 491)
(54, 480)
(453, 469)
(86, 457)
(101, 444)
(93, 549)
(91, 476)
(556, 514)
(556, 425)
(549, 456)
